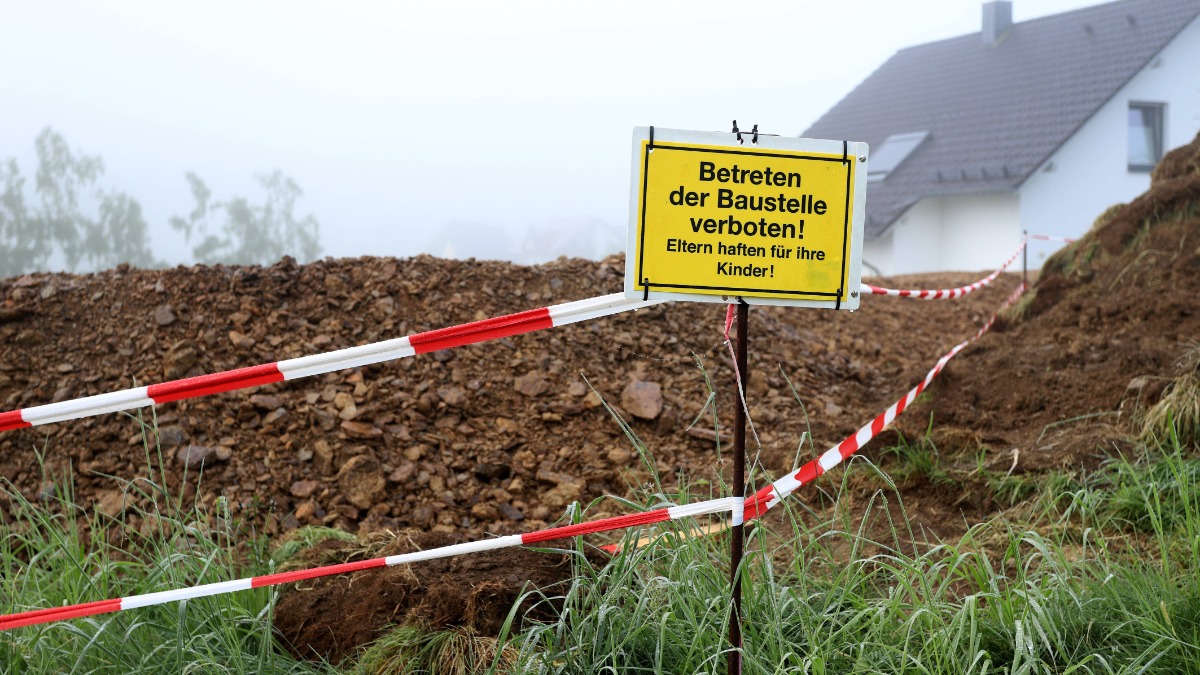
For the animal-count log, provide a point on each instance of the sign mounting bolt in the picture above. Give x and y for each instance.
(862, 158)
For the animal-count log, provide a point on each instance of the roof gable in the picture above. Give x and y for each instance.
(991, 122)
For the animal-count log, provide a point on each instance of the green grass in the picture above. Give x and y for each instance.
(1095, 573)
(822, 598)
(57, 552)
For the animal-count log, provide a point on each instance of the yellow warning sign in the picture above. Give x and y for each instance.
(779, 221)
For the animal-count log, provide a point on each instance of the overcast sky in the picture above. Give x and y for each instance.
(403, 120)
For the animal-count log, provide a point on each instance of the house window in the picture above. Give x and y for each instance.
(1145, 135)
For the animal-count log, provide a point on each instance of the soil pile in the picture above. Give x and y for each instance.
(1109, 326)
(495, 437)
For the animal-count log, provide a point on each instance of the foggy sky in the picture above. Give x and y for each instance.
(408, 124)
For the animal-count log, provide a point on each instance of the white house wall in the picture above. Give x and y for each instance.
(1090, 171)
(981, 231)
(964, 233)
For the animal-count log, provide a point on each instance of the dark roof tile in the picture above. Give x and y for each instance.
(984, 106)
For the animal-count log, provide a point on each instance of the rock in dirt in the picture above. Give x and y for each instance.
(643, 399)
(194, 456)
(265, 402)
(164, 315)
(361, 430)
(531, 384)
(361, 481)
(304, 488)
(179, 359)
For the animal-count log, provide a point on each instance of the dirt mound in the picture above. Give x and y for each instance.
(475, 591)
(496, 437)
(1110, 322)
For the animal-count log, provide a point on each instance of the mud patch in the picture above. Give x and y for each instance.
(331, 618)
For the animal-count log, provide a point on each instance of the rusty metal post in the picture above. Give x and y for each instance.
(736, 535)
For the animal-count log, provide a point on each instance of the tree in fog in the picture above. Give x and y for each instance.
(240, 232)
(72, 223)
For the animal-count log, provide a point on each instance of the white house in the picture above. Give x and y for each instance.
(1036, 126)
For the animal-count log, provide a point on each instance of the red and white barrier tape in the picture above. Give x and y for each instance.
(304, 366)
(771, 495)
(740, 509)
(1051, 237)
(41, 616)
(945, 292)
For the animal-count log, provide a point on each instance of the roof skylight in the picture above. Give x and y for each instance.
(892, 153)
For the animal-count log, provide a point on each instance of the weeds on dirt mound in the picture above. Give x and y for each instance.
(55, 552)
(415, 650)
(1177, 413)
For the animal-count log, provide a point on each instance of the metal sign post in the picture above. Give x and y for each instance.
(736, 534)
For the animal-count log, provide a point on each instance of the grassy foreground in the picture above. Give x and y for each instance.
(1095, 573)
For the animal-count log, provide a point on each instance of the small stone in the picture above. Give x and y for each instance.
(164, 315)
(304, 454)
(171, 437)
(361, 430)
(415, 453)
(620, 455)
(307, 511)
(643, 399)
(485, 511)
(111, 503)
(240, 340)
(531, 384)
(194, 456)
(180, 358)
(323, 456)
(707, 434)
(265, 402)
(423, 517)
(577, 389)
(402, 473)
(511, 512)
(349, 412)
(304, 488)
(223, 453)
(341, 400)
(274, 416)
(48, 291)
(452, 396)
(361, 481)
(47, 492)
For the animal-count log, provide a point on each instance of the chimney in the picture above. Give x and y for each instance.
(997, 18)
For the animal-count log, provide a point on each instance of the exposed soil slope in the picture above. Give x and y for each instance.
(1109, 325)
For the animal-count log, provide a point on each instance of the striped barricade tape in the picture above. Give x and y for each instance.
(771, 495)
(740, 509)
(50, 615)
(304, 366)
(945, 292)
(1051, 237)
